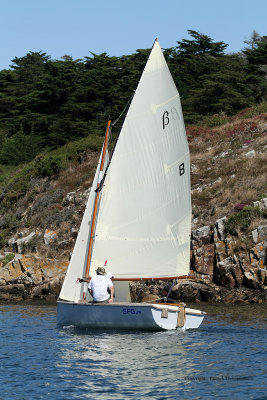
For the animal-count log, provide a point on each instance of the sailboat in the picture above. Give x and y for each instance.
(138, 214)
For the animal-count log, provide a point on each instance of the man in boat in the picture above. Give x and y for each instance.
(100, 287)
(111, 276)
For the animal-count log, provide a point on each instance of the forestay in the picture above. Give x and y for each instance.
(71, 291)
(144, 219)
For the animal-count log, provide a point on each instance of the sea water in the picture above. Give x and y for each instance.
(224, 358)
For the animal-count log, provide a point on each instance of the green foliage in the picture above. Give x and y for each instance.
(46, 165)
(254, 110)
(47, 103)
(211, 121)
(256, 57)
(18, 149)
(3, 237)
(8, 258)
(242, 219)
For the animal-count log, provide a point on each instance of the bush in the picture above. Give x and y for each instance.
(242, 219)
(47, 165)
(8, 258)
(19, 148)
(211, 121)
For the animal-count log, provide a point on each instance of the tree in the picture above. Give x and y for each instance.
(256, 57)
(253, 41)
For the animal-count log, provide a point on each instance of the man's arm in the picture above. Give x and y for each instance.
(111, 294)
(85, 279)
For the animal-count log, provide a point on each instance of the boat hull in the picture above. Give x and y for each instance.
(126, 316)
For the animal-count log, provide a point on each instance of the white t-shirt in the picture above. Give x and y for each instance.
(99, 284)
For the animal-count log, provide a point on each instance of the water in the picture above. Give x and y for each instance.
(225, 358)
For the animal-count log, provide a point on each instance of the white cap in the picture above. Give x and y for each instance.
(109, 275)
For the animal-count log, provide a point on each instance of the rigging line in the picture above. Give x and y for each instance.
(123, 111)
(99, 188)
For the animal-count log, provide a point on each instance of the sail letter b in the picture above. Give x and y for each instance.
(165, 119)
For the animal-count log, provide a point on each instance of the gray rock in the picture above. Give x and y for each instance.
(250, 154)
(202, 234)
(262, 231)
(219, 224)
(255, 235)
(23, 241)
(49, 236)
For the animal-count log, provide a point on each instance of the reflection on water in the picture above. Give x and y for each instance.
(225, 357)
(244, 314)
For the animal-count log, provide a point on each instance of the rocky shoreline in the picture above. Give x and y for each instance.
(220, 274)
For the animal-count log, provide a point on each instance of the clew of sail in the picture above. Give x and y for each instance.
(77, 266)
(144, 219)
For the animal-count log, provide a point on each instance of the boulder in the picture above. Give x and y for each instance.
(203, 261)
(262, 232)
(251, 280)
(220, 250)
(228, 274)
(31, 278)
(258, 255)
(11, 292)
(195, 291)
(250, 154)
(219, 233)
(50, 236)
(203, 235)
(16, 244)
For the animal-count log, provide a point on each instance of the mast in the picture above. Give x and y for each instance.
(96, 202)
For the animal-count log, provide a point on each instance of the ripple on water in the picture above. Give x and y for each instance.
(226, 358)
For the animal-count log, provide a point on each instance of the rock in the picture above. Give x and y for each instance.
(203, 234)
(228, 274)
(250, 154)
(255, 235)
(53, 268)
(258, 204)
(38, 278)
(55, 285)
(23, 241)
(12, 292)
(262, 231)
(203, 261)
(251, 280)
(150, 298)
(258, 255)
(40, 292)
(50, 236)
(64, 244)
(220, 250)
(220, 228)
(70, 197)
(262, 275)
(195, 291)
(74, 232)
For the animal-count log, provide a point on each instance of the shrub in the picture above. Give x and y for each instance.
(242, 219)
(211, 121)
(242, 128)
(252, 111)
(8, 258)
(47, 165)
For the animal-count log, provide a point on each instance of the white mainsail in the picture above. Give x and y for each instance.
(144, 219)
(70, 290)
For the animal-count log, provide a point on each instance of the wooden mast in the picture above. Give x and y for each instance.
(93, 224)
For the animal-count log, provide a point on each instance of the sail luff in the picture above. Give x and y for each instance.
(92, 231)
(71, 291)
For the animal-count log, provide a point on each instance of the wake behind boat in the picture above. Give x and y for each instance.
(138, 213)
